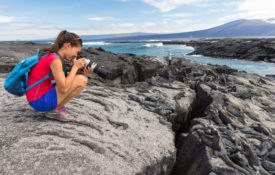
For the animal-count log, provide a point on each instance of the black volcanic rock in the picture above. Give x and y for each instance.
(253, 49)
(129, 68)
(149, 118)
(248, 49)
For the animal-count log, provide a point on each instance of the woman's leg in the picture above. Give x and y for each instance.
(78, 85)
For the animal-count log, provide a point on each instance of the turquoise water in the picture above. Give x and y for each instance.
(178, 51)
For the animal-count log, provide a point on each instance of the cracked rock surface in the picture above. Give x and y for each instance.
(146, 118)
(110, 135)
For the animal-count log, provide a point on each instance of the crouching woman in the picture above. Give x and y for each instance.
(51, 97)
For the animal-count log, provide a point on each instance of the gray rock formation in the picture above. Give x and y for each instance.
(147, 118)
(254, 49)
(110, 135)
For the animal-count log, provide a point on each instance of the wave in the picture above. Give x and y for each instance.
(197, 55)
(189, 48)
(153, 45)
(153, 40)
(96, 43)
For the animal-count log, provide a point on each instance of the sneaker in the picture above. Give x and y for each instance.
(67, 111)
(59, 114)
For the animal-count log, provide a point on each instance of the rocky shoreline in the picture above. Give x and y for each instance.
(246, 48)
(253, 49)
(146, 118)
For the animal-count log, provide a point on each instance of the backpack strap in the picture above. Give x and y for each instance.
(27, 73)
(57, 55)
(40, 81)
(49, 75)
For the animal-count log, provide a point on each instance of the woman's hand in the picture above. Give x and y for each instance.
(79, 63)
(87, 70)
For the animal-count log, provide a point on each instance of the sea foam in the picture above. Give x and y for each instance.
(154, 45)
(95, 43)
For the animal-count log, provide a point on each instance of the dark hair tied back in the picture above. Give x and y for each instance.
(62, 38)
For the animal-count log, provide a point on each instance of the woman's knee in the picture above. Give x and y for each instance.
(82, 81)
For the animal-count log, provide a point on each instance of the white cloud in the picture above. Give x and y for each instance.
(148, 12)
(123, 25)
(205, 4)
(180, 15)
(182, 21)
(26, 31)
(149, 24)
(16, 29)
(33, 31)
(252, 9)
(221, 10)
(165, 21)
(5, 19)
(168, 5)
(258, 8)
(101, 18)
(42, 30)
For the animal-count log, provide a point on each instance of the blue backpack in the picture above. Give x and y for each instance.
(16, 82)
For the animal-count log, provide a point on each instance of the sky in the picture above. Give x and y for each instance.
(35, 19)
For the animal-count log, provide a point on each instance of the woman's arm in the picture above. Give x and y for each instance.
(64, 83)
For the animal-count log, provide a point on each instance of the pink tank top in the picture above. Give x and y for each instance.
(41, 69)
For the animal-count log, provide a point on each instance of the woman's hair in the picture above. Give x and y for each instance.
(62, 38)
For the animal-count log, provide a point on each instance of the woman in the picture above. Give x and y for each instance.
(51, 98)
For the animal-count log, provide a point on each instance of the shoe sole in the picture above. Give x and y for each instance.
(58, 118)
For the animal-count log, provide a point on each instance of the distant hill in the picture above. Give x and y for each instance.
(238, 28)
(114, 36)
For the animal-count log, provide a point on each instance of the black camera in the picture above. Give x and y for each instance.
(99, 70)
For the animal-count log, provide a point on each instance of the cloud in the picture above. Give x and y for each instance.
(148, 12)
(168, 5)
(6, 19)
(252, 9)
(205, 4)
(182, 21)
(17, 29)
(165, 21)
(26, 31)
(180, 15)
(123, 25)
(216, 10)
(101, 18)
(258, 8)
(149, 24)
(32, 31)
(41, 30)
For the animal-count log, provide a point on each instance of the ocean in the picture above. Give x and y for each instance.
(179, 51)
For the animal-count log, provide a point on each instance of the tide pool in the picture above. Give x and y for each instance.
(179, 51)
